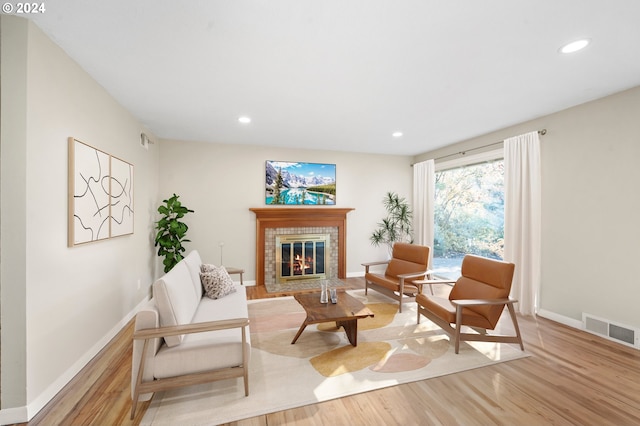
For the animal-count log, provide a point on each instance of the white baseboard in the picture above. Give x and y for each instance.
(25, 414)
(560, 318)
(10, 416)
(355, 274)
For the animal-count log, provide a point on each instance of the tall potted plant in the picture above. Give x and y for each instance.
(397, 226)
(171, 232)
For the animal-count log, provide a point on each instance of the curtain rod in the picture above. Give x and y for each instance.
(540, 132)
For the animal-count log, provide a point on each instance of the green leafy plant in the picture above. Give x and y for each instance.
(397, 226)
(171, 232)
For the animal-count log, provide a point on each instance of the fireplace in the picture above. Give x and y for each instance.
(299, 237)
(273, 221)
(303, 256)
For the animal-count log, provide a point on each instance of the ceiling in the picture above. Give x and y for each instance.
(346, 74)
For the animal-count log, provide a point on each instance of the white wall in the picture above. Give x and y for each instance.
(221, 182)
(13, 204)
(591, 201)
(61, 304)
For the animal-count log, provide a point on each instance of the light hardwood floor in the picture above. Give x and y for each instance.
(572, 378)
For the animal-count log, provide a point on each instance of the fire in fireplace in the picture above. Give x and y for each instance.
(302, 257)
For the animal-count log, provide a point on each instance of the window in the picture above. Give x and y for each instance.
(468, 211)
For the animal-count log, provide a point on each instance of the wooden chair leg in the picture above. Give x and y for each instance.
(458, 327)
(366, 283)
(136, 389)
(245, 361)
(512, 312)
(133, 406)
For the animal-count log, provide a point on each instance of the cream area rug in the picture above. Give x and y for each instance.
(322, 365)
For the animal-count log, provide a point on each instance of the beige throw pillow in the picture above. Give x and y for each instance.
(216, 281)
(207, 267)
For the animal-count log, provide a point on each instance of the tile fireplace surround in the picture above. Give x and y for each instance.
(271, 248)
(272, 221)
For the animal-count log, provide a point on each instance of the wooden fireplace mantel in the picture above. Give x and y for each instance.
(294, 217)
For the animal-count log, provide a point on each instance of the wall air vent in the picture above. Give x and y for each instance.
(612, 331)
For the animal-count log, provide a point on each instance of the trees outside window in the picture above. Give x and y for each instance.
(469, 215)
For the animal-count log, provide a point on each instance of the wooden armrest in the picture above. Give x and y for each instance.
(380, 262)
(368, 264)
(150, 333)
(477, 302)
(414, 274)
(434, 281)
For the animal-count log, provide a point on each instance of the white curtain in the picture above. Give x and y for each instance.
(424, 192)
(522, 217)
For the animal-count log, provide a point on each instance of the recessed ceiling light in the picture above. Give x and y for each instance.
(396, 134)
(574, 46)
(244, 119)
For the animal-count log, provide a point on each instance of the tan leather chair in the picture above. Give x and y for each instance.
(409, 262)
(477, 300)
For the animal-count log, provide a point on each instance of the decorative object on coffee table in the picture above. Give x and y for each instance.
(323, 293)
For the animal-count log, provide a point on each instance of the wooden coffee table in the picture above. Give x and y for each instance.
(345, 313)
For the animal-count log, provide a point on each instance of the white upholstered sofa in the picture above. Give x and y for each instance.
(186, 337)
